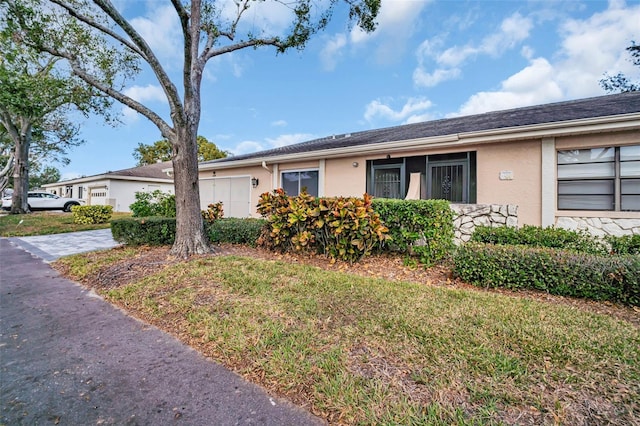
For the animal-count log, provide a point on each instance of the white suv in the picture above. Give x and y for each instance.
(40, 200)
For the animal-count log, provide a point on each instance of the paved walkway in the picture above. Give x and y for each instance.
(67, 357)
(51, 247)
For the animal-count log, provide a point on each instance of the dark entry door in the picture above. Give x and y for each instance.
(448, 180)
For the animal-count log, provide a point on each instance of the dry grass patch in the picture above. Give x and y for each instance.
(361, 350)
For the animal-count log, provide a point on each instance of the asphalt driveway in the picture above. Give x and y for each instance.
(67, 357)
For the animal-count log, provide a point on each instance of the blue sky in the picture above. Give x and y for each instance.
(427, 60)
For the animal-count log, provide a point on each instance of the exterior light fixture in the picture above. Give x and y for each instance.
(354, 164)
(254, 182)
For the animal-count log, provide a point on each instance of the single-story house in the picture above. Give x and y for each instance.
(116, 189)
(573, 164)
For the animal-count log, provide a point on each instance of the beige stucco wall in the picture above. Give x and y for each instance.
(523, 160)
(507, 172)
(343, 179)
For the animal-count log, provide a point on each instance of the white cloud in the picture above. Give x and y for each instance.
(531, 86)
(422, 78)
(279, 123)
(284, 140)
(513, 30)
(412, 111)
(397, 21)
(271, 18)
(589, 48)
(146, 93)
(595, 46)
(527, 52)
(161, 30)
(246, 147)
(332, 51)
(142, 94)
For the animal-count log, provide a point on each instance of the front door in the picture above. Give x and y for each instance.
(447, 180)
(388, 181)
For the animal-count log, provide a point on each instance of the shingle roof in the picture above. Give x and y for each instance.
(602, 106)
(153, 171)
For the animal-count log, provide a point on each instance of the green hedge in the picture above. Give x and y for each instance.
(536, 236)
(236, 231)
(153, 231)
(422, 228)
(627, 244)
(88, 215)
(560, 272)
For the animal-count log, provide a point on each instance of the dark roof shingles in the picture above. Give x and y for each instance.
(610, 105)
(152, 171)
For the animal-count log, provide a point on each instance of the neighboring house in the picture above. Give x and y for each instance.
(571, 164)
(116, 189)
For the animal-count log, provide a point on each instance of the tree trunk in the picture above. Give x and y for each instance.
(19, 204)
(190, 237)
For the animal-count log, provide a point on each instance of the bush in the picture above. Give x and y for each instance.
(627, 244)
(422, 228)
(236, 231)
(214, 212)
(560, 272)
(87, 215)
(536, 236)
(153, 231)
(343, 228)
(156, 203)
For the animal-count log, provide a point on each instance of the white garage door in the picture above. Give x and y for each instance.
(234, 192)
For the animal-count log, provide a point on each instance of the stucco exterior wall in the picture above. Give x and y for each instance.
(343, 179)
(121, 193)
(510, 173)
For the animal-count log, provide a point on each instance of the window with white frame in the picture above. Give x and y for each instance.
(605, 179)
(293, 182)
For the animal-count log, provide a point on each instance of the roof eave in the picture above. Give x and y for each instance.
(507, 134)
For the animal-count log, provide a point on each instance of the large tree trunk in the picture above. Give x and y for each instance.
(190, 237)
(19, 203)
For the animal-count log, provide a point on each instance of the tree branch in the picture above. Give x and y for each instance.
(10, 126)
(120, 97)
(243, 45)
(169, 88)
(106, 30)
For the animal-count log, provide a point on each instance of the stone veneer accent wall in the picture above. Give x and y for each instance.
(600, 226)
(467, 216)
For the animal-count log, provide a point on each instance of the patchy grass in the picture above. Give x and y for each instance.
(359, 350)
(45, 223)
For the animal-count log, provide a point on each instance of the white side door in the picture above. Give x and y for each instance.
(235, 194)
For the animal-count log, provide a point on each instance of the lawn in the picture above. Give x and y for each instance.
(361, 350)
(45, 223)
